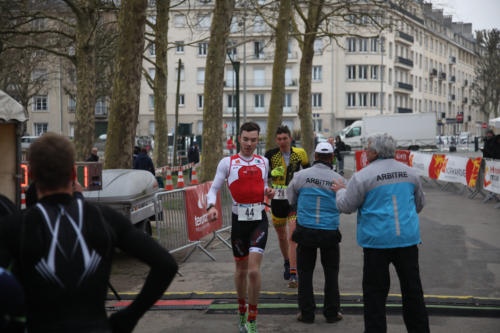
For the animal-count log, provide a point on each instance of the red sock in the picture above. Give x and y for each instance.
(252, 312)
(293, 270)
(242, 306)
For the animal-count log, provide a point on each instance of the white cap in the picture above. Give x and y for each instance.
(324, 148)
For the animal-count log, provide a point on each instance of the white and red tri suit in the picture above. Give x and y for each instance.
(246, 179)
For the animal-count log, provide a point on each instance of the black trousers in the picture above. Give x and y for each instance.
(376, 284)
(306, 261)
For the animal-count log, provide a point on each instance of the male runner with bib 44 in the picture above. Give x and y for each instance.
(246, 176)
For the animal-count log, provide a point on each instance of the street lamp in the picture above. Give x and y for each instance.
(236, 69)
(382, 40)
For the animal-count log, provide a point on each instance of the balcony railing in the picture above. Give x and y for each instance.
(453, 78)
(404, 61)
(405, 86)
(433, 72)
(451, 97)
(404, 110)
(405, 36)
(453, 60)
(259, 83)
(442, 76)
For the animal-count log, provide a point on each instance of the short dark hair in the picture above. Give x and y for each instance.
(283, 129)
(328, 158)
(249, 126)
(51, 161)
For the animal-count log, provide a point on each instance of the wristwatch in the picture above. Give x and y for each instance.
(210, 206)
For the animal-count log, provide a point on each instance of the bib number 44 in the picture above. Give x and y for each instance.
(251, 212)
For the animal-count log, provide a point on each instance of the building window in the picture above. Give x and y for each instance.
(151, 127)
(390, 75)
(287, 102)
(317, 74)
(151, 101)
(363, 45)
(259, 102)
(351, 44)
(201, 101)
(316, 100)
(204, 21)
(374, 44)
(373, 99)
(101, 107)
(181, 100)
(71, 104)
(202, 48)
(374, 72)
(179, 21)
(152, 73)
(318, 125)
(232, 52)
(40, 103)
(179, 46)
(258, 49)
(40, 128)
(351, 72)
(200, 76)
(351, 99)
(318, 46)
(231, 101)
(363, 72)
(258, 24)
(152, 49)
(363, 99)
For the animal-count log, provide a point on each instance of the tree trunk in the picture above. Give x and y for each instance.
(160, 84)
(279, 67)
(305, 113)
(124, 109)
(85, 84)
(214, 88)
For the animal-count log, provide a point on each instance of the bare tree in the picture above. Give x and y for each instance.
(279, 67)
(486, 86)
(124, 109)
(66, 29)
(214, 87)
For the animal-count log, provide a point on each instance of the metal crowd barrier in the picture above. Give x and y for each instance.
(226, 204)
(172, 224)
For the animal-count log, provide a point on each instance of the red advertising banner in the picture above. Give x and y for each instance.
(436, 165)
(361, 159)
(196, 212)
(403, 156)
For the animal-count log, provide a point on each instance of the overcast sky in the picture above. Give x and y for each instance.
(483, 14)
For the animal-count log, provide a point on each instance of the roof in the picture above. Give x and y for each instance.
(10, 109)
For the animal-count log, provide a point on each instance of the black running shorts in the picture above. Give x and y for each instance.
(248, 236)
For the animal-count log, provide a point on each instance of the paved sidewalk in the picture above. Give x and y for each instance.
(460, 256)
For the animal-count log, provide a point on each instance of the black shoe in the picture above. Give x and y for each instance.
(334, 319)
(286, 273)
(304, 320)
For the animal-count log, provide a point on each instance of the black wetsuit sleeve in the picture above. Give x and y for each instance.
(143, 247)
(9, 238)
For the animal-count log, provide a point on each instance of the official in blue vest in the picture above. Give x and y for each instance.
(388, 197)
(317, 227)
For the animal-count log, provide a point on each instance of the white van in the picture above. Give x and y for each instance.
(26, 141)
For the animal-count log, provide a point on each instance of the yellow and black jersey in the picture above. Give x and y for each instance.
(277, 165)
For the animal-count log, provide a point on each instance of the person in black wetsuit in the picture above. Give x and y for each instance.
(61, 250)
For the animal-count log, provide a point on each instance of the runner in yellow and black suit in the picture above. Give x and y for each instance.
(284, 161)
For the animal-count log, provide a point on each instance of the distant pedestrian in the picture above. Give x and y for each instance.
(340, 148)
(388, 197)
(317, 228)
(193, 157)
(489, 144)
(137, 150)
(496, 148)
(144, 162)
(93, 156)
